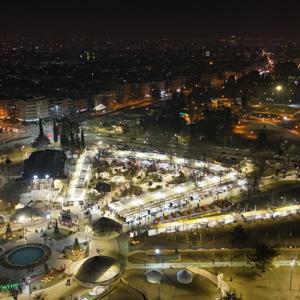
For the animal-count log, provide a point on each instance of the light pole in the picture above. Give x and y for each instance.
(159, 290)
(56, 110)
(278, 89)
(293, 264)
(21, 151)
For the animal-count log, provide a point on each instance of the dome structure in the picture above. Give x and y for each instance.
(105, 227)
(27, 213)
(98, 270)
(184, 276)
(154, 276)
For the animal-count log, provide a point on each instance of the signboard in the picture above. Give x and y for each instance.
(9, 286)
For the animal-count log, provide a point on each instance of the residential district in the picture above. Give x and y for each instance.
(152, 170)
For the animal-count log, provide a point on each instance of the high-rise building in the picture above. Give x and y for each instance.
(59, 107)
(141, 90)
(32, 109)
(5, 107)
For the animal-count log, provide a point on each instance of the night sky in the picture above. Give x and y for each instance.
(131, 19)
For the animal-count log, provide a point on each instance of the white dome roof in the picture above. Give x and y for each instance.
(184, 276)
(106, 227)
(98, 270)
(154, 276)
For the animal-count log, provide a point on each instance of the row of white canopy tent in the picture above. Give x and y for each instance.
(168, 158)
(133, 204)
(253, 215)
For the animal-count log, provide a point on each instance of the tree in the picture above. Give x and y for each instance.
(72, 142)
(69, 136)
(239, 237)
(55, 132)
(46, 268)
(245, 100)
(41, 129)
(82, 142)
(8, 231)
(262, 140)
(56, 229)
(262, 258)
(254, 178)
(64, 141)
(76, 246)
(286, 68)
(15, 293)
(41, 141)
(8, 162)
(231, 295)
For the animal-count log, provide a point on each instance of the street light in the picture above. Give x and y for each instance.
(278, 89)
(293, 264)
(21, 151)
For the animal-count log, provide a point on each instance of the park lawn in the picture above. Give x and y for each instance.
(283, 232)
(169, 289)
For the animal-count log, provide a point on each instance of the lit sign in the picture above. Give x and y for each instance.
(9, 286)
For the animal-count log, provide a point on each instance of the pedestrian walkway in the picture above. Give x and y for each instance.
(77, 186)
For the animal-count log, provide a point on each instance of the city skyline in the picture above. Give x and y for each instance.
(149, 150)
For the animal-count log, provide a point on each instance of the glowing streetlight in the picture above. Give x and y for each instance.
(157, 251)
(278, 89)
(293, 264)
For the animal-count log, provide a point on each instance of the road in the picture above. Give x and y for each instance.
(202, 264)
